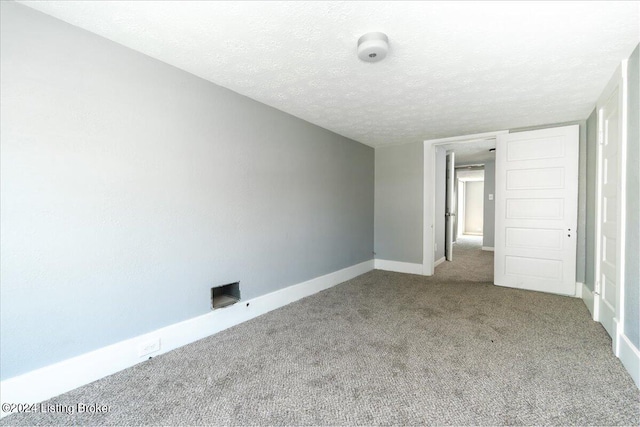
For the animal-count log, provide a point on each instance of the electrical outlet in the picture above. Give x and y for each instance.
(490, 196)
(149, 347)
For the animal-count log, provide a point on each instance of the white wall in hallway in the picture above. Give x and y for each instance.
(473, 212)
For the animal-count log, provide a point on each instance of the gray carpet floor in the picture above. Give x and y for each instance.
(470, 263)
(382, 349)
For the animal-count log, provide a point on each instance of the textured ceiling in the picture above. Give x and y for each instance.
(452, 69)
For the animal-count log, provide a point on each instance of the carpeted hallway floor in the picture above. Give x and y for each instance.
(470, 263)
(384, 348)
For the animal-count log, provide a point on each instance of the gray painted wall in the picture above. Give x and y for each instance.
(129, 188)
(581, 241)
(440, 208)
(398, 202)
(632, 269)
(590, 182)
(473, 206)
(489, 216)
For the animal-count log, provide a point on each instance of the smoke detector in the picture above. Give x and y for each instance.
(373, 47)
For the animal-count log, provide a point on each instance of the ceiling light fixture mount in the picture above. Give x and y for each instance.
(373, 47)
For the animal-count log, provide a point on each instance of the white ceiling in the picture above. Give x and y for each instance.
(454, 68)
(472, 175)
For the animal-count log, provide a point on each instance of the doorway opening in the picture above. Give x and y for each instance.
(434, 151)
(467, 261)
(471, 198)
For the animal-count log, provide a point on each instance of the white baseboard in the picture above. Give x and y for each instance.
(53, 380)
(615, 337)
(630, 357)
(488, 248)
(588, 297)
(579, 287)
(438, 262)
(398, 266)
(628, 353)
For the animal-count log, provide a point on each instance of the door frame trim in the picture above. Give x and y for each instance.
(450, 204)
(429, 193)
(618, 80)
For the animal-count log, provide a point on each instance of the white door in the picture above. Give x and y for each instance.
(608, 208)
(450, 212)
(536, 210)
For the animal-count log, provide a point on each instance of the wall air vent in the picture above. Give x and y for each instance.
(225, 295)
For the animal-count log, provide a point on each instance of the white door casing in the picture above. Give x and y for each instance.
(429, 191)
(450, 211)
(609, 265)
(536, 210)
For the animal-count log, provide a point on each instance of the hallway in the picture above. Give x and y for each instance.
(470, 263)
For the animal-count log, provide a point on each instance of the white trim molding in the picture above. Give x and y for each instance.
(579, 287)
(616, 338)
(623, 348)
(438, 262)
(622, 201)
(53, 380)
(613, 322)
(630, 357)
(488, 248)
(467, 138)
(589, 299)
(398, 266)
